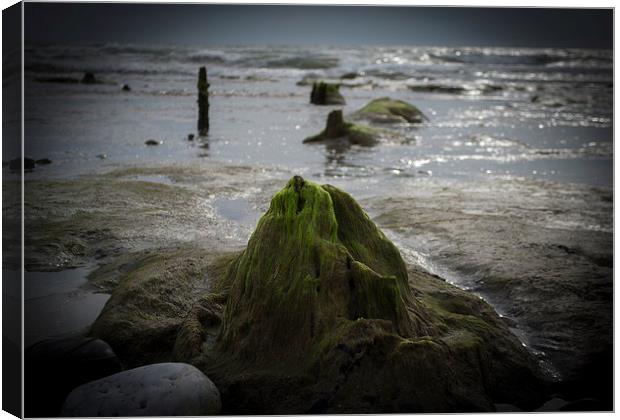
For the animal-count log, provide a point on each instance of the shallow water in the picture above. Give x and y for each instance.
(55, 304)
(521, 112)
(236, 210)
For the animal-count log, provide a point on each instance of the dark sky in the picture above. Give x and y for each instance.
(194, 24)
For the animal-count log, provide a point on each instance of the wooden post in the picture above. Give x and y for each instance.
(203, 102)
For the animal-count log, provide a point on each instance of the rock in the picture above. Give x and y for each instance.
(102, 156)
(88, 79)
(190, 137)
(323, 316)
(507, 408)
(151, 142)
(351, 75)
(126, 88)
(164, 389)
(256, 78)
(387, 110)
(141, 320)
(54, 367)
(337, 128)
(44, 161)
(16, 164)
(326, 94)
(436, 88)
(554, 404)
(586, 404)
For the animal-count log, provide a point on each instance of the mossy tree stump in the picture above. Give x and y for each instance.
(326, 94)
(336, 128)
(315, 264)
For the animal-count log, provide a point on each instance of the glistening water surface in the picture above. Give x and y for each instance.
(542, 113)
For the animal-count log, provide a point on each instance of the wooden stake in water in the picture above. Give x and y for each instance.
(203, 102)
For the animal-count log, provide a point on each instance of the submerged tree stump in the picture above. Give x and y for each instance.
(326, 94)
(203, 102)
(339, 129)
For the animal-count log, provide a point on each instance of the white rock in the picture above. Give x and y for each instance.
(163, 389)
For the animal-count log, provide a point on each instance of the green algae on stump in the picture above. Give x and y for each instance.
(322, 301)
(326, 94)
(389, 110)
(338, 129)
(314, 261)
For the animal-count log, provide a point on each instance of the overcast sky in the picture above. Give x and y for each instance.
(316, 25)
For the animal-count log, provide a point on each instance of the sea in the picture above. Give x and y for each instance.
(516, 112)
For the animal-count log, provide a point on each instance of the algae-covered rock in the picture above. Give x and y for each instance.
(152, 300)
(323, 316)
(338, 129)
(326, 94)
(387, 110)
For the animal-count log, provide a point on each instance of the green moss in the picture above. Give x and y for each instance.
(200, 325)
(390, 110)
(141, 320)
(314, 260)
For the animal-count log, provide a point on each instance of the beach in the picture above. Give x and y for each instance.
(505, 190)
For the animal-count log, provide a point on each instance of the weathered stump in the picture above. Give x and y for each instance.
(203, 102)
(326, 94)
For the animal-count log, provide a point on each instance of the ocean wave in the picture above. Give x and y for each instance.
(455, 89)
(304, 62)
(520, 56)
(69, 68)
(583, 63)
(137, 49)
(207, 58)
(497, 59)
